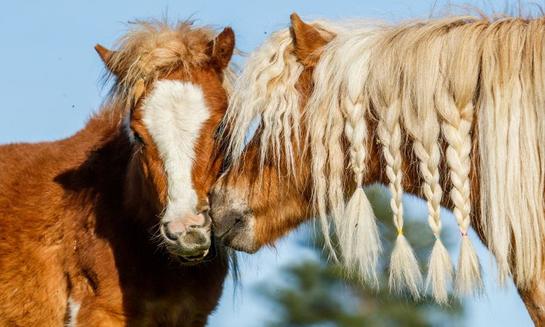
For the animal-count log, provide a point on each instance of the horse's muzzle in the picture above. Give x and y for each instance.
(188, 237)
(233, 220)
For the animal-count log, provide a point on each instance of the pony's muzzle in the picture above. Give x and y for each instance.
(233, 220)
(188, 237)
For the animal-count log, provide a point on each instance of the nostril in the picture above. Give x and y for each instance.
(204, 226)
(170, 235)
(234, 218)
(173, 230)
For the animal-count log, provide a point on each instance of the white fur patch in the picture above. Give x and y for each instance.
(73, 309)
(174, 113)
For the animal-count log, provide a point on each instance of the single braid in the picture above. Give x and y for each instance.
(429, 156)
(359, 235)
(427, 150)
(457, 132)
(458, 150)
(404, 269)
(355, 131)
(389, 132)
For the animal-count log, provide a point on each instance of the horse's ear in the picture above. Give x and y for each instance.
(221, 48)
(106, 56)
(306, 38)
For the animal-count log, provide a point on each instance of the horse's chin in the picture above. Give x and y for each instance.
(192, 260)
(185, 257)
(241, 241)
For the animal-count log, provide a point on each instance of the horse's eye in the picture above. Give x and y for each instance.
(138, 138)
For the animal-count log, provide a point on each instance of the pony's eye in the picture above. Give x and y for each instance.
(204, 209)
(138, 138)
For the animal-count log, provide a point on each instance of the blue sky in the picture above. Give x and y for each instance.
(50, 86)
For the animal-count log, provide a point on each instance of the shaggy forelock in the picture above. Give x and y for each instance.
(154, 48)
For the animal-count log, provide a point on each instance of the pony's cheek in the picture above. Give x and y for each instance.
(155, 177)
(202, 183)
(205, 170)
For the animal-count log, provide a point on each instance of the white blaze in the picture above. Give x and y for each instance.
(173, 114)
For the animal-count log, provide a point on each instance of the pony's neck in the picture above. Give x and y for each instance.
(109, 170)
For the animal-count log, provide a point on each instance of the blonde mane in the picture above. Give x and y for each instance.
(457, 81)
(266, 90)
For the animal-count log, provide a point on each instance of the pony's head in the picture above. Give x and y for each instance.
(266, 190)
(171, 82)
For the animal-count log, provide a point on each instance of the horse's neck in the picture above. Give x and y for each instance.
(104, 172)
(103, 155)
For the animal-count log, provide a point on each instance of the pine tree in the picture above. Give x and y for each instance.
(320, 293)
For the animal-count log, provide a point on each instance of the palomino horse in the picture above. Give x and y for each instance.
(83, 220)
(424, 106)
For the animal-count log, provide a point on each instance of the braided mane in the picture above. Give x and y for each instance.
(471, 83)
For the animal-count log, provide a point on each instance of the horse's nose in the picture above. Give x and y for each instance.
(188, 224)
(175, 228)
(171, 232)
(228, 213)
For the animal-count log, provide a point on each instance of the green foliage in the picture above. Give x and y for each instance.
(320, 293)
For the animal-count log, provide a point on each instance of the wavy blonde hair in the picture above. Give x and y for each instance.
(471, 84)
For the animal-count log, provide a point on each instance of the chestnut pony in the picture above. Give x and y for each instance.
(425, 107)
(107, 227)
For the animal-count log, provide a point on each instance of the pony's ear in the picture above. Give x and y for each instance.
(106, 56)
(306, 38)
(221, 48)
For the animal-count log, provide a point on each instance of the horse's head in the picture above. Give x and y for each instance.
(171, 81)
(266, 190)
